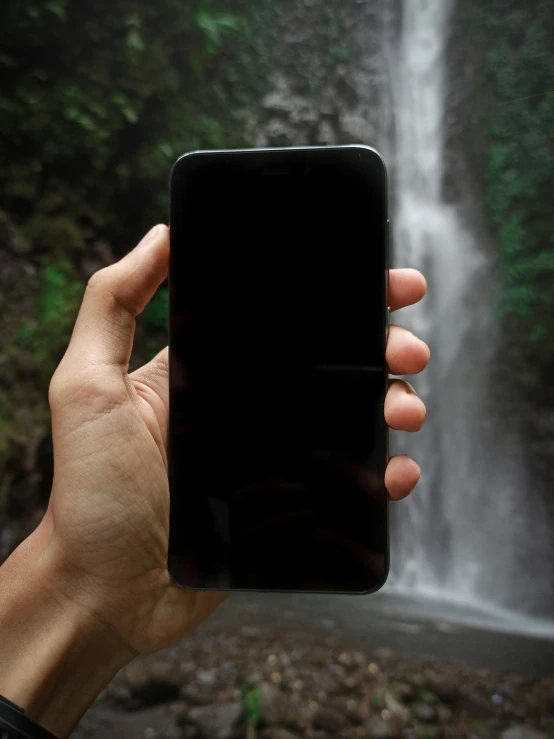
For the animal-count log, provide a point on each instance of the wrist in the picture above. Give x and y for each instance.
(56, 655)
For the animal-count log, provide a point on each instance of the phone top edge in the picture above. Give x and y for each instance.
(284, 149)
(276, 149)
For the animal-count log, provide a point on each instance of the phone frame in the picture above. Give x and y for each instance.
(277, 152)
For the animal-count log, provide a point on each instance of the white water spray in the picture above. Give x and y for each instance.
(470, 531)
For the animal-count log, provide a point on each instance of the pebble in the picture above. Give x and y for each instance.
(278, 732)
(173, 732)
(404, 692)
(206, 677)
(251, 632)
(445, 686)
(395, 707)
(327, 624)
(150, 687)
(322, 680)
(331, 721)
(444, 714)
(275, 707)
(217, 721)
(424, 713)
(254, 677)
(381, 729)
(523, 732)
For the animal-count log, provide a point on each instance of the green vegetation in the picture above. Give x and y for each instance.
(58, 300)
(97, 99)
(251, 700)
(426, 696)
(518, 119)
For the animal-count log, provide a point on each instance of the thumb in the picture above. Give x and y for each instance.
(115, 295)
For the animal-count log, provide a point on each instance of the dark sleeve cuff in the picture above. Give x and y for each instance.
(15, 725)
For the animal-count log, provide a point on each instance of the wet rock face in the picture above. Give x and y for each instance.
(329, 77)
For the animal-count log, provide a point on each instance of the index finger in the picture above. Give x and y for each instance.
(406, 287)
(104, 329)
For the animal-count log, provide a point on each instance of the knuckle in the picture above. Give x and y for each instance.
(109, 282)
(99, 280)
(55, 389)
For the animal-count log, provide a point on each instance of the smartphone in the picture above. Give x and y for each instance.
(278, 326)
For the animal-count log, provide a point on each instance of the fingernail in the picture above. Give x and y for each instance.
(410, 388)
(148, 239)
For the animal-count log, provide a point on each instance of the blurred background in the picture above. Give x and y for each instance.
(97, 99)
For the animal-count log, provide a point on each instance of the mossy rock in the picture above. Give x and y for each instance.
(54, 235)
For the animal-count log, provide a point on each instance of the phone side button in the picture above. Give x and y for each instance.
(387, 255)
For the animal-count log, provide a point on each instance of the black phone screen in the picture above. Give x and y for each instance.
(277, 438)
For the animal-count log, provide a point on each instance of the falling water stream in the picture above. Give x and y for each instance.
(471, 545)
(472, 532)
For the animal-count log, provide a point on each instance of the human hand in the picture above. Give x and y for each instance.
(107, 521)
(102, 545)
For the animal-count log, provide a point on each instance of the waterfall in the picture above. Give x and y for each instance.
(471, 531)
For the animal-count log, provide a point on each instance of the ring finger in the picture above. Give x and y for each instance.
(404, 410)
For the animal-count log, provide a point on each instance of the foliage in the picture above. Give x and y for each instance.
(156, 312)
(519, 177)
(251, 700)
(58, 301)
(97, 99)
(154, 320)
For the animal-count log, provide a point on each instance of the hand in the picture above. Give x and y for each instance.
(108, 514)
(101, 548)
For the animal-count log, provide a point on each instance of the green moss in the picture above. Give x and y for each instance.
(39, 338)
(59, 295)
(518, 80)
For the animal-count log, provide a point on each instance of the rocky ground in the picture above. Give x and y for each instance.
(257, 683)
